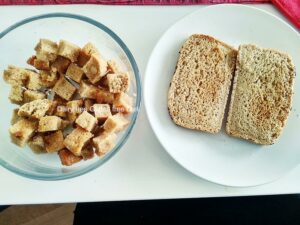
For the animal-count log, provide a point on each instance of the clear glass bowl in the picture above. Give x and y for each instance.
(17, 44)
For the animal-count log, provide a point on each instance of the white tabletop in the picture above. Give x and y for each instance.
(142, 169)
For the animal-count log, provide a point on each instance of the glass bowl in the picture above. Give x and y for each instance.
(17, 45)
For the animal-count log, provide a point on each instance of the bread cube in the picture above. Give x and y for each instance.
(35, 109)
(88, 104)
(85, 54)
(61, 111)
(112, 67)
(118, 82)
(86, 121)
(115, 123)
(74, 109)
(67, 158)
(49, 123)
(33, 80)
(74, 72)
(16, 94)
(52, 108)
(37, 144)
(64, 89)
(122, 103)
(54, 142)
(87, 152)
(46, 50)
(104, 143)
(95, 68)
(59, 100)
(48, 78)
(22, 131)
(87, 90)
(31, 95)
(102, 111)
(76, 140)
(104, 96)
(68, 50)
(60, 65)
(15, 117)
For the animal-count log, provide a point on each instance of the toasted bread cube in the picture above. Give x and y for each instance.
(34, 81)
(102, 111)
(54, 142)
(16, 94)
(22, 131)
(67, 158)
(64, 89)
(118, 82)
(31, 59)
(86, 121)
(76, 140)
(87, 152)
(15, 117)
(87, 90)
(68, 50)
(112, 67)
(52, 108)
(15, 76)
(122, 103)
(37, 144)
(104, 96)
(49, 123)
(48, 78)
(41, 64)
(61, 111)
(46, 50)
(60, 65)
(85, 54)
(95, 68)
(35, 109)
(115, 123)
(74, 72)
(88, 104)
(74, 108)
(31, 95)
(104, 143)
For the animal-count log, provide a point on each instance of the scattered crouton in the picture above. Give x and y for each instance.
(31, 95)
(36, 143)
(22, 131)
(61, 111)
(15, 76)
(35, 109)
(33, 81)
(16, 94)
(102, 111)
(86, 121)
(104, 143)
(15, 117)
(52, 108)
(87, 152)
(122, 103)
(64, 89)
(54, 141)
(86, 52)
(74, 108)
(76, 140)
(104, 96)
(49, 123)
(95, 68)
(115, 123)
(68, 50)
(118, 82)
(60, 65)
(74, 72)
(48, 78)
(87, 90)
(46, 50)
(67, 158)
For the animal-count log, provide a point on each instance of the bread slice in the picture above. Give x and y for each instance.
(262, 94)
(200, 86)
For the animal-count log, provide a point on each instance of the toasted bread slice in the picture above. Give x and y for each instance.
(262, 94)
(200, 86)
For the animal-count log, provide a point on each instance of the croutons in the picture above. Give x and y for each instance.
(22, 131)
(16, 94)
(122, 103)
(87, 90)
(61, 111)
(49, 123)
(95, 68)
(37, 144)
(74, 109)
(88, 104)
(35, 109)
(74, 72)
(86, 121)
(104, 96)
(76, 140)
(87, 152)
(30, 95)
(115, 123)
(112, 67)
(118, 82)
(48, 78)
(15, 117)
(68, 50)
(60, 65)
(15, 76)
(67, 158)
(54, 142)
(52, 108)
(64, 89)
(102, 111)
(85, 53)
(46, 50)
(33, 81)
(104, 142)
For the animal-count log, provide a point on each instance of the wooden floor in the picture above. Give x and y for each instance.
(54, 214)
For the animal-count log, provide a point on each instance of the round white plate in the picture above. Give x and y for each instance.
(220, 158)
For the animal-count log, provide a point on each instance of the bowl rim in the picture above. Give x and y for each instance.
(122, 141)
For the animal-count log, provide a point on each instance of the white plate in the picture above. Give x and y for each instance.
(220, 158)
